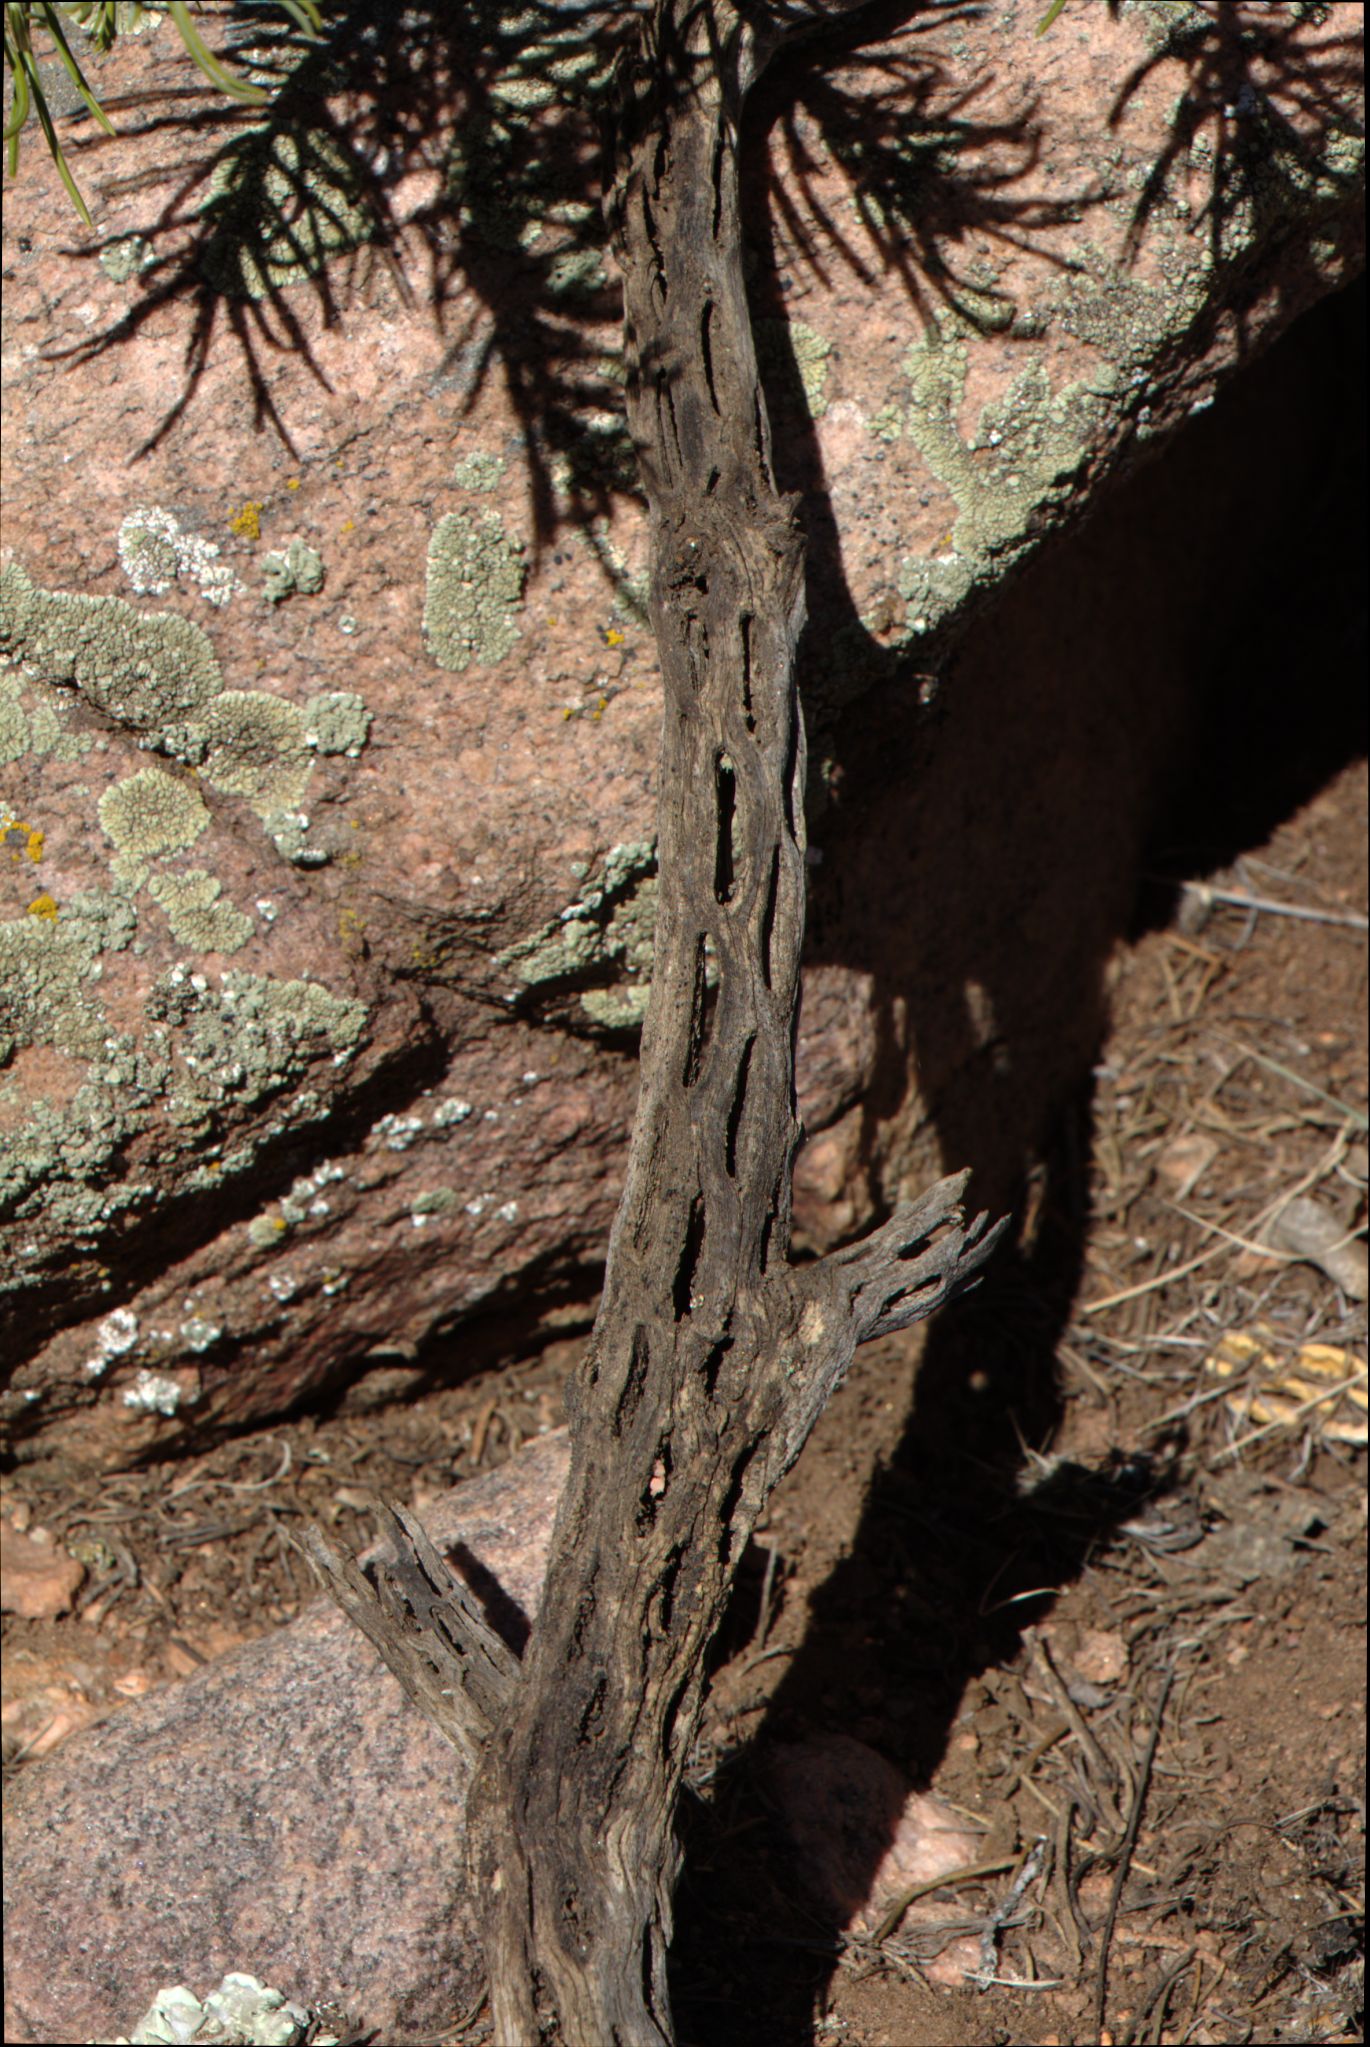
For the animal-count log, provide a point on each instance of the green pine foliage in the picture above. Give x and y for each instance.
(102, 22)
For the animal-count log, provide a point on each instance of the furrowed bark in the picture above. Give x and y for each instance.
(711, 1357)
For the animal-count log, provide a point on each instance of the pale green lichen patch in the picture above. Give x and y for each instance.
(154, 551)
(298, 570)
(246, 1039)
(125, 257)
(14, 724)
(255, 748)
(811, 354)
(337, 722)
(281, 202)
(606, 933)
(144, 669)
(479, 471)
(48, 731)
(780, 341)
(1024, 453)
(287, 830)
(45, 966)
(475, 589)
(617, 1009)
(196, 914)
(208, 1053)
(151, 813)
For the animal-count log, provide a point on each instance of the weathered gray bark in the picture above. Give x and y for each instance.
(712, 1356)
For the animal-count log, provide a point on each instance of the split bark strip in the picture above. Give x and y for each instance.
(712, 1357)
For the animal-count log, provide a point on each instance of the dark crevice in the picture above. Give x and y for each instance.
(768, 916)
(748, 713)
(666, 410)
(768, 1226)
(698, 1041)
(592, 1714)
(791, 767)
(739, 1104)
(682, 1294)
(672, 1714)
(670, 1572)
(725, 842)
(713, 1364)
(706, 351)
(732, 1501)
(650, 224)
(638, 1364)
(654, 1491)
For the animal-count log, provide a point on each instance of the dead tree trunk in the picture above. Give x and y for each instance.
(712, 1356)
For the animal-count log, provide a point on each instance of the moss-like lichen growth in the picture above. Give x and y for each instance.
(780, 340)
(479, 471)
(45, 964)
(144, 669)
(154, 551)
(195, 913)
(811, 353)
(337, 722)
(14, 724)
(1026, 450)
(298, 569)
(287, 829)
(606, 934)
(151, 813)
(475, 588)
(125, 257)
(255, 748)
(281, 203)
(245, 1039)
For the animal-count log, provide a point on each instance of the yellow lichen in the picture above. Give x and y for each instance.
(247, 520)
(43, 906)
(25, 841)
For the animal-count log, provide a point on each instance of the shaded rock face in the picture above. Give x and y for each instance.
(329, 715)
(286, 1813)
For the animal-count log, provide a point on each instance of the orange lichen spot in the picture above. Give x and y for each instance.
(348, 526)
(292, 483)
(601, 706)
(613, 637)
(247, 520)
(34, 848)
(43, 906)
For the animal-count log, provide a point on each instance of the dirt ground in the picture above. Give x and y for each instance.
(1088, 1562)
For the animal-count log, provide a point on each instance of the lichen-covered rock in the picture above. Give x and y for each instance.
(326, 925)
(283, 1813)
